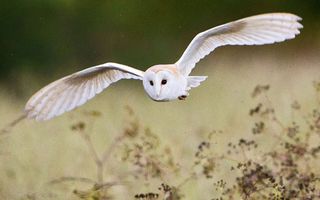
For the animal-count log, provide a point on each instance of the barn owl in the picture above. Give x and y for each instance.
(164, 82)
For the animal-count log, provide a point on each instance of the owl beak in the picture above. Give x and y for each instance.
(158, 91)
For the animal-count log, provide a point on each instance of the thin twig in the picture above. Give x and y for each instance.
(274, 117)
(95, 156)
(186, 180)
(107, 153)
(90, 146)
(107, 185)
(100, 162)
(70, 179)
(243, 152)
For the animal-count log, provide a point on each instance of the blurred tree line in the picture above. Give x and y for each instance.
(43, 37)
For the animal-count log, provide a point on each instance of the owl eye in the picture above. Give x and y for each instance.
(151, 83)
(163, 82)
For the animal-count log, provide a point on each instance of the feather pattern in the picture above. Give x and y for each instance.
(74, 90)
(255, 30)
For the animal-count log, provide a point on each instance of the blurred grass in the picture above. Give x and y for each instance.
(35, 153)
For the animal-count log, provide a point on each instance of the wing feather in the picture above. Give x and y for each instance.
(255, 30)
(74, 90)
(58, 104)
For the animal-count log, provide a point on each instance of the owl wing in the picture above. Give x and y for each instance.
(255, 30)
(74, 90)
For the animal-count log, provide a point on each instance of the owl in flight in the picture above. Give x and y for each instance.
(163, 82)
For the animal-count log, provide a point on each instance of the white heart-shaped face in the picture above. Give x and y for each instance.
(163, 84)
(158, 84)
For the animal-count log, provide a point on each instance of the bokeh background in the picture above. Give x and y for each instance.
(57, 37)
(45, 40)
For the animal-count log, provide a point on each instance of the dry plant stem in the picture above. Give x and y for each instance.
(278, 122)
(70, 178)
(107, 153)
(12, 124)
(245, 157)
(107, 185)
(186, 180)
(94, 155)
(274, 117)
(100, 162)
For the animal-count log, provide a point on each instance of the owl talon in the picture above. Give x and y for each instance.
(182, 97)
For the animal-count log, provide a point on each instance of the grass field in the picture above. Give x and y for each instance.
(34, 154)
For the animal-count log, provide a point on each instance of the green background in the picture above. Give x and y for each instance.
(47, 37)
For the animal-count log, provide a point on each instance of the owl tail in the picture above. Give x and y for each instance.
(194, 81)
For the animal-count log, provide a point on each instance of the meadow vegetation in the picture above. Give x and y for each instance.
(251, 131)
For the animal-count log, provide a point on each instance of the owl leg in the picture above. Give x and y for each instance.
(184, 96)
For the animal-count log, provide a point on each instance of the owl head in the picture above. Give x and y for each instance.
(158, 84)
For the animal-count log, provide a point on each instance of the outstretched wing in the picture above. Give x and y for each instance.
(74, 90)
(255, 30)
